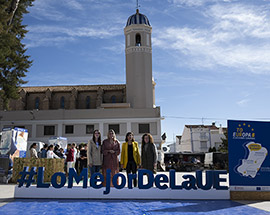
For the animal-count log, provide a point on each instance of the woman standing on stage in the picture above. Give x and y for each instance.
(149, 153)
(130, 156)
(110, 151)
(94, 155)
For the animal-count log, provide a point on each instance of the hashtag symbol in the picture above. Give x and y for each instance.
(27, 180)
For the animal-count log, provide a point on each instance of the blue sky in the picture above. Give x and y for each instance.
(211, 58)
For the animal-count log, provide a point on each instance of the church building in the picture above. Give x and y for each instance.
(75, 112)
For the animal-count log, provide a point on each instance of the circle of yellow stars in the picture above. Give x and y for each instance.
(244, 124)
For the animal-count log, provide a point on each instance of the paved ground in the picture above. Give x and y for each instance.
(11, 206)
(127, 207)
(6, 193)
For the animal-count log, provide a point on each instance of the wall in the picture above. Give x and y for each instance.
(40, 130)
(81, 100)
(135, 128)
(185, 145)
(78, 129)
(54, 93)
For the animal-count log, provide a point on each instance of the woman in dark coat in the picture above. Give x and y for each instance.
(149, 153)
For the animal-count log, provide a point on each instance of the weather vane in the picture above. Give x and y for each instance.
(137, 5)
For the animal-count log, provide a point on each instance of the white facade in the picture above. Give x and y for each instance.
(199, 138)
(79, 119)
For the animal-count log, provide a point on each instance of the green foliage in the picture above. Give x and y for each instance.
(14, 63)
(212, 149)
(224, 146)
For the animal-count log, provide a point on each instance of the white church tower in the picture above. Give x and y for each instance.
(139, 82)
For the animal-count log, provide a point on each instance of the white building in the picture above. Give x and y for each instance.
(199, 138)
(172, 147)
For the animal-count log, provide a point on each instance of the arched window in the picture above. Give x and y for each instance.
(138, 40)
(88, 100)
(62, 102)
(37, 103)
(113, 99)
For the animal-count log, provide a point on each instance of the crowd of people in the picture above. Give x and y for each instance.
(100, 155)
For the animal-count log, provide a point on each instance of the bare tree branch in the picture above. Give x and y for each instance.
(13, 8)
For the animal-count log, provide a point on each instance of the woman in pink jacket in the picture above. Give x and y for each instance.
(110, 151)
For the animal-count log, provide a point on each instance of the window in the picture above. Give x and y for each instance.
(203, 145)
(115, 127)
(49, 130)
(37, 103)
(90, 129)
(128, 40)
(203, 136)
(113, 99)
(147, 40)
(62, 102)
(138, 40)
(87, 102)
(144, 128)
(69, 129)
(19, 126)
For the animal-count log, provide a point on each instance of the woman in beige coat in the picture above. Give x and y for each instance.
(33, 151)
(94, 155)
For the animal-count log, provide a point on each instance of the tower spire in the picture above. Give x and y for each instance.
(138, 50)
(137, 6)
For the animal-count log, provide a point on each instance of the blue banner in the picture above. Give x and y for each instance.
(249, 147)
(213, 180)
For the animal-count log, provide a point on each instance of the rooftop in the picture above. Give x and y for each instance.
(137, 19)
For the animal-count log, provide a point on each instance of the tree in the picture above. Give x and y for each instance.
(224, 144)
(14, 63)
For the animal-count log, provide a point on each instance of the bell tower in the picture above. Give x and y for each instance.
(139, 83)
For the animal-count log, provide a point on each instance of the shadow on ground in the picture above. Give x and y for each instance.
(123, 207)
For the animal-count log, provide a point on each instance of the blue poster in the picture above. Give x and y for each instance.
(249, 147)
